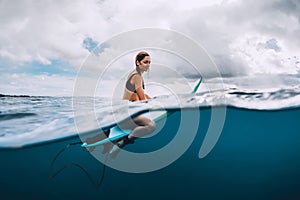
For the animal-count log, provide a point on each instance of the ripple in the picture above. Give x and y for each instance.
(4, 117)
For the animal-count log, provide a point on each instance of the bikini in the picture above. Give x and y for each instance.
(131, 87)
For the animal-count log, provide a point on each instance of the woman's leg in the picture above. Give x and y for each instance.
(101, 136)
(140, 126)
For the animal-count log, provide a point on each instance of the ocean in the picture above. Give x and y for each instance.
(239, 143)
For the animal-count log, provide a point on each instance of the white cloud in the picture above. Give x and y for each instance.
(38, 85)
(50, 30)
(230, 30)
(44, 29)
(264, 55)
(219, 27)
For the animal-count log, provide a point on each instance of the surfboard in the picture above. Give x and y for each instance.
(117, 133)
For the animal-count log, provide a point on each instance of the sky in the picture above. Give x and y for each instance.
(43, 44)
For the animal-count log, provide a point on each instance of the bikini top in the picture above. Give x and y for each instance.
(131, 87)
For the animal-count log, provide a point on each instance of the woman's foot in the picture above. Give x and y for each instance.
(107, 147)
(119, 145)
(114, 151)
(97, 138)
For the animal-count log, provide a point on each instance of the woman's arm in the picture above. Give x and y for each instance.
(137, 80)
(141, 94)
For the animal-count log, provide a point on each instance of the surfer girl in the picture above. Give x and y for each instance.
(134, 91)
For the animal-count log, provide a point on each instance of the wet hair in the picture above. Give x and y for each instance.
(140, 56)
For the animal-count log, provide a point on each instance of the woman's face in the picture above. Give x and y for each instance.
(144, 64)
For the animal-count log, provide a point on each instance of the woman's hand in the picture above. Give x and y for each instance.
(147, 96)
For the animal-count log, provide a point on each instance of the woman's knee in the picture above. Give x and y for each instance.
(151, 126)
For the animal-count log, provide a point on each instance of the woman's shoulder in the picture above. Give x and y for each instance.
(134, 74)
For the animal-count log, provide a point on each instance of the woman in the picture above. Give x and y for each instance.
(135, 84)
(134, 91)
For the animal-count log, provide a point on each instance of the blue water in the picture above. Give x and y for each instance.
(30, 119)
(257, 155)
